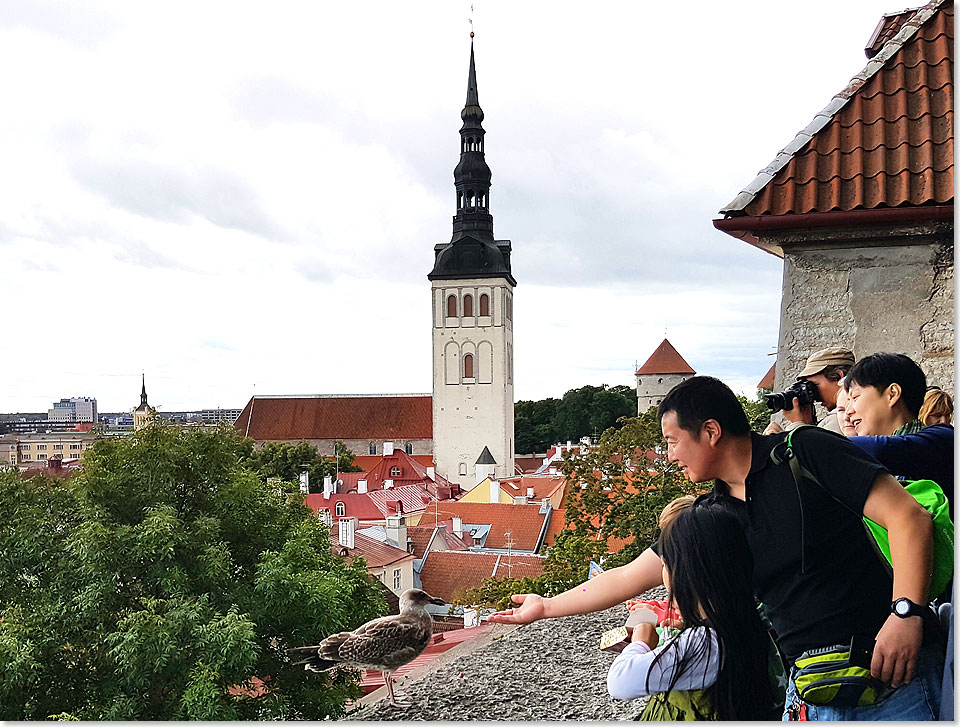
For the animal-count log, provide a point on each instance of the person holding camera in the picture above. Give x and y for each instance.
(819, 381)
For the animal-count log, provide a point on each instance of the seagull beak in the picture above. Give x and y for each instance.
(438, 602)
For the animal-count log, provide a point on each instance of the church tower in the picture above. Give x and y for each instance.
(472, 320)
(144, 413)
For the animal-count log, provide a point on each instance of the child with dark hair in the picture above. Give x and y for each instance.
(719, 666)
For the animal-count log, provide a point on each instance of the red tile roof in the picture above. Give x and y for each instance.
(558, 524)
(528, 464)
(885, 141)
(767, 381)
(375, 553)
(421, 536)
(447, 574)
(355, 505)
(412, 499)
(542, 485)
(523, 522)
(411, 471)
(665, 360)
(377, 418)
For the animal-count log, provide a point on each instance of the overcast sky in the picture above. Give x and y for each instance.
(241, 197)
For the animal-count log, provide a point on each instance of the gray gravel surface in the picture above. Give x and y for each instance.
(548, 670)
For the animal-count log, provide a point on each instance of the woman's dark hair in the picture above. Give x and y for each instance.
(711, 584)
(703, 397)
(879, 370)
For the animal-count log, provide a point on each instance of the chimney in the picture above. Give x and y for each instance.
(348, 526)
(327, 487)
(520, 500)
(388, 484)
(304, 482)
(324, 514)
(397, 531)
(545, 506)
(432, 473)
(387, 449)
(530, 492)
(458, 526)
(361, 487)
(494, 490)
(569, 445)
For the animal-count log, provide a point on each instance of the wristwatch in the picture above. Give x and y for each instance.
(905, 608)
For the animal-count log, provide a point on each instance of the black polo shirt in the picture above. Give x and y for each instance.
(840, 588)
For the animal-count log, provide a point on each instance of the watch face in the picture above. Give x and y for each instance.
(902, 607)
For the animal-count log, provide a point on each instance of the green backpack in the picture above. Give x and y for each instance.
(930, 496)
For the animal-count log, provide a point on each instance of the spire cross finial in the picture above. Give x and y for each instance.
(471, 21)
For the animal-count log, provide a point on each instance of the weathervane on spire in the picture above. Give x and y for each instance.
(471, 21)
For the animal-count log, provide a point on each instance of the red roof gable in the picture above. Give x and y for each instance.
(367, 462)
(281, 418)
(767, 381)
(523, 522)
(665, 360)
(447, 574)
(542, 485)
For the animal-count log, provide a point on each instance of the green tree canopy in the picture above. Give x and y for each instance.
(583, 412)
(164, 582)
(286, 461)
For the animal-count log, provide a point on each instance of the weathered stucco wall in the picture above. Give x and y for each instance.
(869, 292)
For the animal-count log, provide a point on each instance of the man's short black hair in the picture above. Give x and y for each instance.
(700, 398)
(879, 370)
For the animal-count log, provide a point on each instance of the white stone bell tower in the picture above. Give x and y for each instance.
(472, 321)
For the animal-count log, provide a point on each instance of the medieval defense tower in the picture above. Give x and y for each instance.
(472, 321)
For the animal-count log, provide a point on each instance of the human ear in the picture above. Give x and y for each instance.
(893, 394)
(712, 429)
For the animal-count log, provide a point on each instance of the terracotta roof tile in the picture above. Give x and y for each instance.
(447, 574)
(355, 505)
(767, 381)
(375, 553)
(280, 418)
(367, 462)
(885, 141)
(523, 522)
(665, 360)
(528, 464)
(542, 485)
(888, 27)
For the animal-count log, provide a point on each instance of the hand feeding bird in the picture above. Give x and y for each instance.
(384, 644)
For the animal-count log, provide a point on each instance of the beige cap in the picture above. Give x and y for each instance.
(835, 356)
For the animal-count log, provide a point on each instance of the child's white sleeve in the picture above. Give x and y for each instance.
(627, 678)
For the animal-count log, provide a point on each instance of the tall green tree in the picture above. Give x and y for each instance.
(164, 582)
(286, 461)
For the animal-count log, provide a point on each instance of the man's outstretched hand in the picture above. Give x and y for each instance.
(530, 609)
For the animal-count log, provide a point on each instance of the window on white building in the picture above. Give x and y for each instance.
(396, 579)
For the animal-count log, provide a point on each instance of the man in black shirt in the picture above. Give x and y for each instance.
(815, 571)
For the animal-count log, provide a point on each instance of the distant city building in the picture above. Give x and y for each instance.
(36, 448)
(661, 372)
(75, 409)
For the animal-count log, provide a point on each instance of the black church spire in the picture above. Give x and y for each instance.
(472, 252)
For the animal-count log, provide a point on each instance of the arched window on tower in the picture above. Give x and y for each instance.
(482, 200)
(484, 305)
(468, 366)
(459, 200)
(408, 448)
(451, 306)
(469, 202)
(468, 305)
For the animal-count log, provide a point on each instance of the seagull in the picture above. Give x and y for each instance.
(384, 644)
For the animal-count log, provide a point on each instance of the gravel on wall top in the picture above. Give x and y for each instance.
(548, 670)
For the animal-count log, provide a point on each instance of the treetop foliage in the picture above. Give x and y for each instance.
(164, 582)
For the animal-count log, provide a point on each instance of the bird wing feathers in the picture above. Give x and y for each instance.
(385, 643)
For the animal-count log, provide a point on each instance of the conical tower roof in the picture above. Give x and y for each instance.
(665, 360)
(486, 457)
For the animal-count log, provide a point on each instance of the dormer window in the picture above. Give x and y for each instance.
(395, 471)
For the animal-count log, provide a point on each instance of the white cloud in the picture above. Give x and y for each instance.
(229, 194)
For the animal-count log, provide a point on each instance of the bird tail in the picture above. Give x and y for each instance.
(310, 658)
